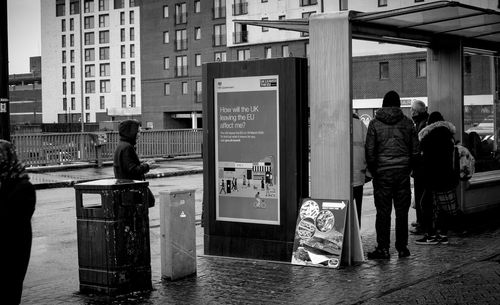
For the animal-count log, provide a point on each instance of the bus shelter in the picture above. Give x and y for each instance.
(448, 30)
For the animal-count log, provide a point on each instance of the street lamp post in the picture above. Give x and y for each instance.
(4, 75)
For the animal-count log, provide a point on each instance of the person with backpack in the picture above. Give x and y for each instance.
(441, 177)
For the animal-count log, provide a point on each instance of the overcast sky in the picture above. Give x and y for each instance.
(24, 33)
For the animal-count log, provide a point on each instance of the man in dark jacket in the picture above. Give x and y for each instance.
(391, 148)
(126, 164)
(419, 115)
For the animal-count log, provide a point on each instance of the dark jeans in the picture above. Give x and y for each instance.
(390, 186)
(427, 206)
(357, 192)
(418, 187)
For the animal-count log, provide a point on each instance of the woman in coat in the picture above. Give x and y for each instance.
(18, 199)
(440, 176)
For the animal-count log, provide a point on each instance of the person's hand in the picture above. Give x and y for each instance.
(152, 164)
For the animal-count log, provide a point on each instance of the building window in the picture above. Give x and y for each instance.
(131, 3)
(197, 33)
(72, 56)
(240, 7)
(60, 8)
(90, 86)
(132, 84)
(132, 51)
(166, 89)
(105, 86)
(467, 64)
(184, 88)
(197, 60)
(198, 92)
(265, 29)
(122, 18)
(197, 6)
(87, 103)
(102, 103)
(104, 70)
(284, 51)
(89, 55)
(382, 3)
(72, 88)
(103, 21)
(88, 6)
(103, 5)
(65, 90)
(281, 17)
(181, 67)
(122, 51)
(63, 25)
(64, 72)
(132, 67)
(421, 68)
(119, 4)
(263, 1)
(219, 35)
(166, 63)
(220, 56)
(383, 68)
(132, 101)
(63, 57)
(132, 34)
(419, 1)
(131, 17)
(74, 7)
(87, 117)
(124, 85)
(73, 104)
(243, 54)
(63, 41)
(88, 22)
(240, 33)
(71, 40)
(89, 38)
(181, 40)
(65, 104)
(122, 35)
(180, 13)
(124, 68)
(104, 53)
(72, 72)
(124, 101)
(166, 37)
(342, 5)
(268, 52)
(165, 11)
(104, 37)
(306, 16)
(89, 70)
(219, 9)
(308, 2)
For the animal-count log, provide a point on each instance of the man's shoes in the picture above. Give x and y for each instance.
(442, 239)
(403, 253)
(427, 240)
(379, 253)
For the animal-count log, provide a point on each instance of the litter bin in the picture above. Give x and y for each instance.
(113, 236)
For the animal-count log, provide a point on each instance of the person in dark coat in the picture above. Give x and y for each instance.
(440, 176)
(18, 199)
(419, 116)
(391, 148)
(126, 164)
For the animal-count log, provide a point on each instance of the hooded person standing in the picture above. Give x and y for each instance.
(18, 198)
(359, 173)
(391, 148)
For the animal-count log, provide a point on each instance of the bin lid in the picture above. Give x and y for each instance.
(111, 184)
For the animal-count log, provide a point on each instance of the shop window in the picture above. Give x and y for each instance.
(382, 3)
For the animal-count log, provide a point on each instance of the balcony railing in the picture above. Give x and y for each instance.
(219, 40)
(181, 71)
(181, 18)
(197, 97)
(240, 8)
(219, 12)
(240, 37)
(181, 44)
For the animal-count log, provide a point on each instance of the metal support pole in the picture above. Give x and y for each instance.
(4, 74)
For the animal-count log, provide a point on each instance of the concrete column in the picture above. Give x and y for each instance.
(194, 120)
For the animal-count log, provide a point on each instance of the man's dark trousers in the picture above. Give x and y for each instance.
(392, 185)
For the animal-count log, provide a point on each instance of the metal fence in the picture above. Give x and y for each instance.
(59, 148)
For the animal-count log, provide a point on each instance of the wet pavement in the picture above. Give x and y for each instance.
(467, 271)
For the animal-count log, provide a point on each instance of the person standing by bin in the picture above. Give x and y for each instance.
(391, 148)
(18, 203)
(419, 116)
(126, 164)
(359, 174)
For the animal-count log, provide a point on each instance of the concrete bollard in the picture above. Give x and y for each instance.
(178, 234)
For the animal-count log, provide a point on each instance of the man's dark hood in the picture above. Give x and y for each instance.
(128, 131)
(389, 115)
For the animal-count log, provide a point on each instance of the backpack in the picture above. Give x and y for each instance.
(463, 162)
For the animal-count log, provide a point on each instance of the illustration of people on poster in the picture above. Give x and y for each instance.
(319, 233)
(247, 149)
